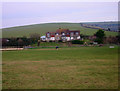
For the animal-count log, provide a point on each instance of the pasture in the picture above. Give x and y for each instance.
(41, 29)
(66, 68)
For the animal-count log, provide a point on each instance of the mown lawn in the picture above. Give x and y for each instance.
(66, 68)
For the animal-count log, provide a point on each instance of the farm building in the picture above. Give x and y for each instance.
(63, 35)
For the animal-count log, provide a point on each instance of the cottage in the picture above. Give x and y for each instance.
(68, 36)
(75, 35)
(52, 34)
(57, 37)
(63, 34)
(48, 36)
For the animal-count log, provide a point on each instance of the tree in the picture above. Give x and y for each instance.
(13, 42)
(38, 43)
(34, 37)
(99, 36)
(20, 43)
(111, 40)
(77, 42)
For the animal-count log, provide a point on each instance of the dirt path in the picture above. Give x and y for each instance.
(10, 49)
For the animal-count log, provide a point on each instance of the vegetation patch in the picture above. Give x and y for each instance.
(66, 68)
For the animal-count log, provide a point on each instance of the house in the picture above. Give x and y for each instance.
(43, 38)
(63, 34)
(57, 37)
(68, 36)
(50, 36)
(75, 35)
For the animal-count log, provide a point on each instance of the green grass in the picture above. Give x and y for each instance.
(48, 27)
(66, 68)
(47, 44)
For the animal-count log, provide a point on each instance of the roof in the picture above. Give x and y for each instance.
(62, 30)
(43, 37)
(74, 30)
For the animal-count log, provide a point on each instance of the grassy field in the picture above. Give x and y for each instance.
(48, 27)
(48, 44)
(66, 68)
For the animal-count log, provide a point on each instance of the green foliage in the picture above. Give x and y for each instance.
(99, 36)
(99, 40)
(77, 42)
(47, 44)
(20, 41)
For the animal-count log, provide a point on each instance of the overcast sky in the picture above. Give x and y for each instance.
(26, 13)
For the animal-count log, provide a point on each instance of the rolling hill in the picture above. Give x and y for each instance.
(48, 27)
(113, 26)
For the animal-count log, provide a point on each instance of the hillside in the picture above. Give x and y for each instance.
(48, 27)
(113, 26)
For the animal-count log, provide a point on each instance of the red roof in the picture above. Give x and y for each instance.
(67, 35)
(52, 36)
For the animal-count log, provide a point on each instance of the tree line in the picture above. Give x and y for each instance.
(20, 41)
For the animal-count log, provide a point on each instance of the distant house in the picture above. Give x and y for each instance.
(57, 37)
(75, 35)
(43, 38)
(50, 36)
(63, 34)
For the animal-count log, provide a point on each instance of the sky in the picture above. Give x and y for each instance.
(26, 13)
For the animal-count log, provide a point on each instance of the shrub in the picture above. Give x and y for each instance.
(100, 36)
(77, 42)
(60, 41)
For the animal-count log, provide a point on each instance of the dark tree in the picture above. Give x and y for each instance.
(118, 38)
(38, 43)
(99, 36)
(20, 43)
(34, 37)
(111, 40)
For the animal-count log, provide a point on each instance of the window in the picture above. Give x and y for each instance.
(63, 33)
(67, 33)
(76, 33)
(71, 33)
(48, 34)
(57, 38)
(56, 33)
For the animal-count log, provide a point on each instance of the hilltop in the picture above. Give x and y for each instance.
(41, 29)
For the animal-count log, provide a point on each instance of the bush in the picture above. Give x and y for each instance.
(99, 40)
(77, 42)
(100, 36)
(91, 43)
(60, 41)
